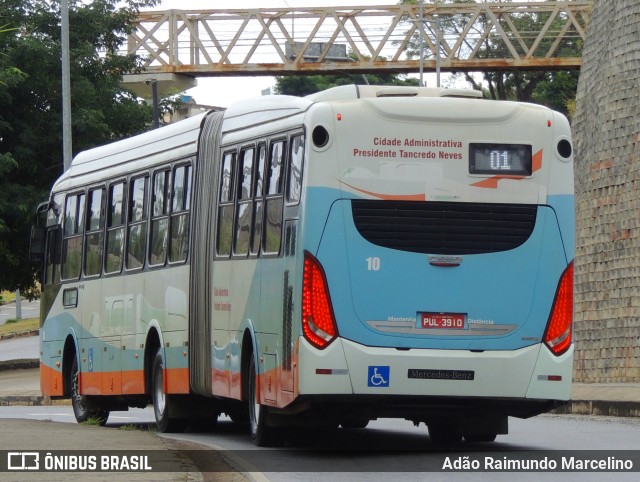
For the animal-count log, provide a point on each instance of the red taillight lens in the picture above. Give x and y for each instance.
(558, 334)
(318, 323)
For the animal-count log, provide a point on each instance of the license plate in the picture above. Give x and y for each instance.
(448, 321)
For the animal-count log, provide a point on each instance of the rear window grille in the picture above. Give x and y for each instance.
(444, 227)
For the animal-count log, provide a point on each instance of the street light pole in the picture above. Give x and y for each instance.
(66, 87)
(437, 52)
(156, 108)
(421, 45)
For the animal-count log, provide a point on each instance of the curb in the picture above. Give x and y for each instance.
(611, 408)
(19, 334)
(24, 363)
(30, 400)
(26, 400)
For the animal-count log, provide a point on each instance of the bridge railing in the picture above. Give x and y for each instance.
(460, 37)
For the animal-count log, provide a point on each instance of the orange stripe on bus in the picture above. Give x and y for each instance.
(90, 383)
(269, 385)
(133, 382)
(51, 383)
(388, 197)
(130, 382)
(176, 380)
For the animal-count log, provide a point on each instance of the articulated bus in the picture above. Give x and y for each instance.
(359, 253)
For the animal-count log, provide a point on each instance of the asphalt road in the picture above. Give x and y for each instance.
(30, 309)
(396, 450)
(19, 348)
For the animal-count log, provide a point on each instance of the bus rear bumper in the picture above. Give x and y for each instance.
(348, 368)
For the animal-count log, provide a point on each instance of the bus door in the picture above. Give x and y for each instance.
(292, 283)
(76, 299)
(133, 332)
(50, 381)
(274, 276)
(92, 264)
(279, 277)
(113, 294)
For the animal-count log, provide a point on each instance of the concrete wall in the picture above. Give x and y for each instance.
(606, 130)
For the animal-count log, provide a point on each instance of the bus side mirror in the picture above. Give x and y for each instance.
(36, 246)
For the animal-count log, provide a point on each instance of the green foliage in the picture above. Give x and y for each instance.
(553, 89)
(31, 105)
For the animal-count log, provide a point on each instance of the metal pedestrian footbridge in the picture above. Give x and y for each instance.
(546, 35)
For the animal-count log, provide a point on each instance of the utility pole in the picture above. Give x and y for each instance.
(18, 305)
(67, 151)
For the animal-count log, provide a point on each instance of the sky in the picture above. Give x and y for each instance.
(221, 92)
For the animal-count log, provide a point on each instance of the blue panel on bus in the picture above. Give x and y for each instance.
(378, 376)
(378, 293)
(564, 207)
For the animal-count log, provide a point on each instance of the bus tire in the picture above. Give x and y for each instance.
(163, 404)
(82, 404)
(262, 434)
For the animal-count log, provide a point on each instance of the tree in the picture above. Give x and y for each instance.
(31, 104)
(553, 89)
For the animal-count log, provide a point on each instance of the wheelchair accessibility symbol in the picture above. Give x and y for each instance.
(378, 376)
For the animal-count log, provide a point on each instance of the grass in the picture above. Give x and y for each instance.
(129, 427)
(7, 297)
(12, 325)
(95, 421)
(18, 326)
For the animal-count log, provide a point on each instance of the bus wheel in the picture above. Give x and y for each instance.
(261, 433)
(81, 404)
(163, 404)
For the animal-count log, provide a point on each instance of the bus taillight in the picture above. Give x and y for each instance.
(318, 322)
(558, 333)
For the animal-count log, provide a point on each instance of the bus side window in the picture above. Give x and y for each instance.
(225, 209)
(180, 213)
(244, 213)
(273, 200)
(115, 228)
(295, 169)
(52, 261)
(137, 231)
(72, 240)
(258, 194)
(158, 241)
(94, 237)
